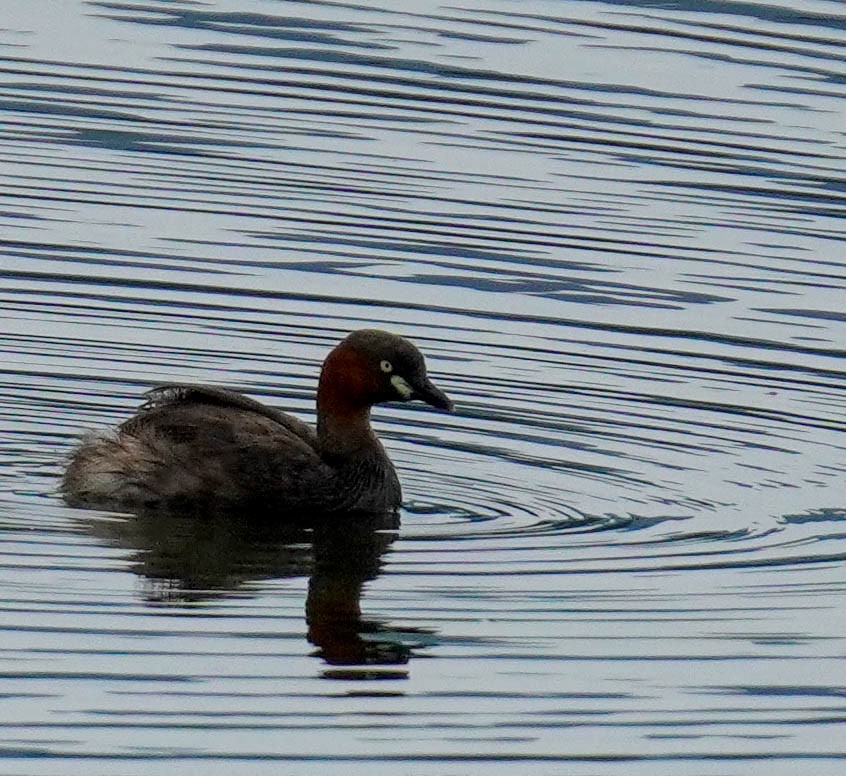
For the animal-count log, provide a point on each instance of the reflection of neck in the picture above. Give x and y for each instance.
(343, 562)
(333, 614)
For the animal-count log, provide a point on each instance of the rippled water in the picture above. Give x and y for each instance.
(616, 230)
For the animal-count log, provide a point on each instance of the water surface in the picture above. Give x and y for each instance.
(614, 228)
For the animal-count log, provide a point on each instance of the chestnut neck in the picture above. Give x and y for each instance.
(343, 410)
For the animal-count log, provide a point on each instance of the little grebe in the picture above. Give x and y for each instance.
(199, 447)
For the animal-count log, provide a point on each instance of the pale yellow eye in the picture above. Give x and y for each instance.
(387, 367)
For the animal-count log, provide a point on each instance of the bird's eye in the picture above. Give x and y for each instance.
(387, 367)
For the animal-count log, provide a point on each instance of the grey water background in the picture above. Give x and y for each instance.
(617, 231)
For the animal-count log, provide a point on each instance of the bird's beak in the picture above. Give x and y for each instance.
(426, 391)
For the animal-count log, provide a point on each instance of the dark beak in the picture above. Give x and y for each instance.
(427, 392)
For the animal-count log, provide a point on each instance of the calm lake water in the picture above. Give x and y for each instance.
(617, 231)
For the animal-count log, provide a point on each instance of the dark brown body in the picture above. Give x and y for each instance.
(204, 448)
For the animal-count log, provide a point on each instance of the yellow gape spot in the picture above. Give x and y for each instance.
(403, 388)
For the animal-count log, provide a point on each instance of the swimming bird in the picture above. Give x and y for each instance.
(198, 447)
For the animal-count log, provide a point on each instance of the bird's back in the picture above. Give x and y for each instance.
(201, 448)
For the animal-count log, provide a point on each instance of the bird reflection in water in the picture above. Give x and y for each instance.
(193, 558)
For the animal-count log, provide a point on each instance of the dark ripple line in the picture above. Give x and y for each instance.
(799, 560)
(429, 308)
(417, 757)
(311, 73)
(87, 675)
(754, 44)
(287, 28)
(402, 98)
(782, 416)
(732, 376)
(573, 718)
(762, 12)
